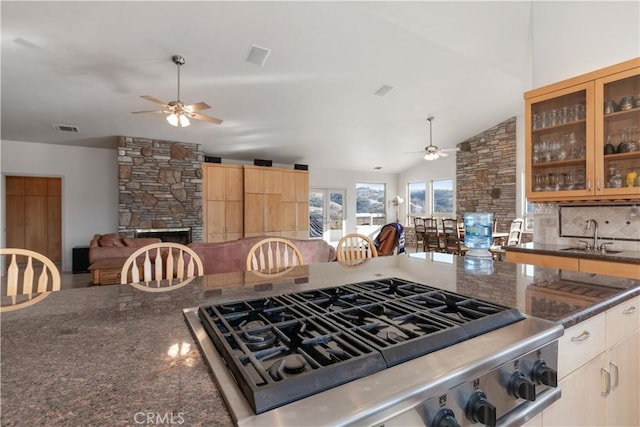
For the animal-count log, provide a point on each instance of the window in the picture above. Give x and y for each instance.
(417, 192)
(370, 204)
(442, 196)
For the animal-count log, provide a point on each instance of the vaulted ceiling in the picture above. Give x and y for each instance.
(86, 64)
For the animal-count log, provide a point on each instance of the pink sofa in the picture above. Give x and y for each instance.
(112, 245)
(226, 257)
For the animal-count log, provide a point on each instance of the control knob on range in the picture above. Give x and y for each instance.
(445, 418)
(522, 388)
(542, 374)
(480, 410)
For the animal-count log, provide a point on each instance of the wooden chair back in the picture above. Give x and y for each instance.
(432, 241)
(355, 246)
(515, 232)
(451, 236)
(419, 227)
(273, 255)
(31, 277)
(161, 261)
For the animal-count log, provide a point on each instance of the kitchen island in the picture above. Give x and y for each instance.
(118, 355)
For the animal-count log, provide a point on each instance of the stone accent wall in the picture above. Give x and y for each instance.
(160, 185)
(486, 173)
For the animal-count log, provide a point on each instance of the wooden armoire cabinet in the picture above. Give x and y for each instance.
(246, 201)
(224, 201)
(34, 214)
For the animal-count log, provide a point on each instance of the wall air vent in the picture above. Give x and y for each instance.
(384, 91)
(66, 128)
(258, 55)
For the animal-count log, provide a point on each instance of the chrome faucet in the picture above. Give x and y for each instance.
(595, 233)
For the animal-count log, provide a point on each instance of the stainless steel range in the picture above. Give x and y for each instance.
(384, 352)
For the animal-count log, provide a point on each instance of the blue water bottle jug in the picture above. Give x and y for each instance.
(478, 233)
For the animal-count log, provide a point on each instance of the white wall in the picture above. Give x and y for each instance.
(89, 187)
(344, 179)
(572, 38)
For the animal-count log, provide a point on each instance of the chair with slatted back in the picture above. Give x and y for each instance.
(433, 240)
(515, 232)
(452, 237)
(173, 263)
(355, 246)
(420, 229)
(31, 277)
(273, 255)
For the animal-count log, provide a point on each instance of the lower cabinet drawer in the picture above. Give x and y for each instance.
(581, 343)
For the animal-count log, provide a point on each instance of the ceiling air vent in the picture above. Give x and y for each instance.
(383, 91)
(66, 128)
(258, 55)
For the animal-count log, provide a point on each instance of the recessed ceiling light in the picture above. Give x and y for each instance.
(66, 128)
(383, 91)
(258, 55)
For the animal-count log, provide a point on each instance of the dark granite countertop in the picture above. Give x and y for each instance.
(627, 256)
(102, 356)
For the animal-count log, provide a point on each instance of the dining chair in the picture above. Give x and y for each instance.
(419, 227)
(515, 232)
(451, 237)
(273, 255)
(355, 246)
(432, 240)
(161, 261)
(31, 277)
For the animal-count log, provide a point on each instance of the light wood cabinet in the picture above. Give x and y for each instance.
(224, 201)
(608, 268)
(295, 204)
(262, 201)
(246, 201)
(598, 370)
(567, 128)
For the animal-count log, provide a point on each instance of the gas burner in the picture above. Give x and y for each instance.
(255, 337)
(291, 364)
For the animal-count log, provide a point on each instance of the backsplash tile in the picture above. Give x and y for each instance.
(565, 225)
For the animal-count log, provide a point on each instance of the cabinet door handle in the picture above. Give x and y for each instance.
(616, 376)
(584, 335)
(607, 382)
(598, 184)
(589, 184)
(630, 310)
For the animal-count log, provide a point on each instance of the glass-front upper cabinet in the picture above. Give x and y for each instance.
(560, 147)
(583, 137)
(618, 134)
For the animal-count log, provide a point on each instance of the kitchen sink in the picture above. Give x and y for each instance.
(591, 251)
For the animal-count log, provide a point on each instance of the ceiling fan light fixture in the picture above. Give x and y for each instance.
(178, 120)
(431, 156)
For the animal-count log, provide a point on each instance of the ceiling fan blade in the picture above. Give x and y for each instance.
(150, 111)
(450, 149)
(205, 118)
(198, 107)
(152, 99)
(442, 154)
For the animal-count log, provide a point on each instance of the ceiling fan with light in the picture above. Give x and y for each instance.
(179, 113)
(432, 152)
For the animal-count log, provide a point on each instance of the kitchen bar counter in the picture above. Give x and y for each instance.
(117, 355)
(627, 256)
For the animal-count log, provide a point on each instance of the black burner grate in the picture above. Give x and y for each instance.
(281, 349)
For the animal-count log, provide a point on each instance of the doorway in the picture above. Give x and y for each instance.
(34, 215)
(327, 214)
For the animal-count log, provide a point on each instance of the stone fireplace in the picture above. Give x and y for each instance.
(160, 186)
